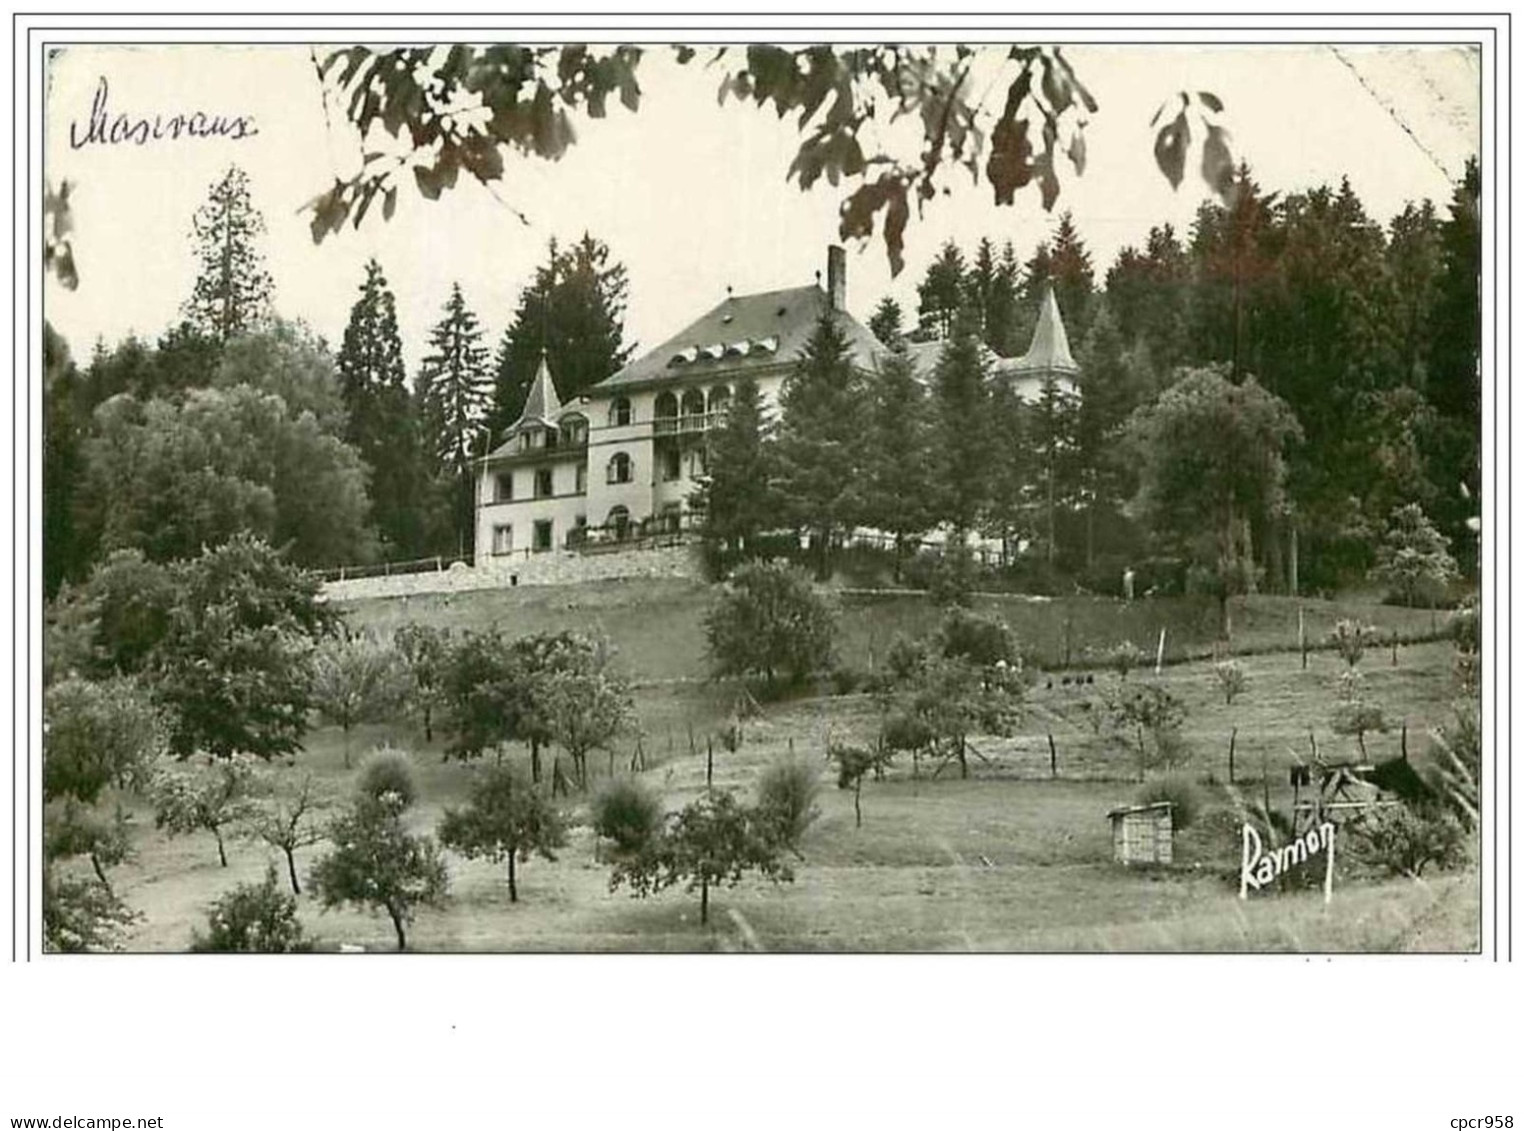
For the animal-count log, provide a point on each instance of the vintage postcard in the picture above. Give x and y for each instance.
(762, 497)
(1019, 501)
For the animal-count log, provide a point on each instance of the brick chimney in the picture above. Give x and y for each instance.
(836, 276)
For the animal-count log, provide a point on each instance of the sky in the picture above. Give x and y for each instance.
(690, 195)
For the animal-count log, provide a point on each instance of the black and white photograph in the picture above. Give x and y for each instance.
(698, 490)
(870, 506)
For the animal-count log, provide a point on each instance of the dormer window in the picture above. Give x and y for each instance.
(620, 413)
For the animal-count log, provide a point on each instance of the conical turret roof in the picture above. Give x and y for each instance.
(1050, 343)
(542, 403)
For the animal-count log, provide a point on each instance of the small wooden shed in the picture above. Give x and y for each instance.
(1143, 834)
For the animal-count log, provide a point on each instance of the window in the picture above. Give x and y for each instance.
(670, 464)
(542, 535)
(719, 399)
(582, 479)
(666, 406)
(502, 539)
(697, 465)
(621, 470)
(693, 403)
(544, 483)
(619, 411)
(503, 487)
(573, 431)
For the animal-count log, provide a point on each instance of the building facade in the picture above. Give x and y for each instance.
(623, 461)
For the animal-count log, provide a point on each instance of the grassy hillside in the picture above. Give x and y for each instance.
(1007, 860)
(656, 626)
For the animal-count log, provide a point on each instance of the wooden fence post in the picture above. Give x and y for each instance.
(1301, 634)
(1052, 756)
(1159, 655)
(1232, 746)
(709, 766)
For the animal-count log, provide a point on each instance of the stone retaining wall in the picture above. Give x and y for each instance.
(554, 568)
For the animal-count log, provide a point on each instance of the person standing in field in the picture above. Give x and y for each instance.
(1128, 577)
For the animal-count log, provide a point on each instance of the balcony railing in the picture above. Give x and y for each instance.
(692, 422)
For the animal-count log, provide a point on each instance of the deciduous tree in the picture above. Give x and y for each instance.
(214, 799)
(357, 679)
(1211, 458)
(712, 840)
(769, 621)
(377, 864)
(233, 669)
(288, 818)
(507, 818)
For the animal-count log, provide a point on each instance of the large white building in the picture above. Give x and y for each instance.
(622, 461)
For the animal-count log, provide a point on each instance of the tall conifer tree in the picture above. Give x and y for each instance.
(382, 426)
(453, 394)
(737, 497)
(820, 440)
(233, 290)
(574, 312)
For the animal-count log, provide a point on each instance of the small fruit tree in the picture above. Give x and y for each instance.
(507, 818)
(712, 840)
(377, 864)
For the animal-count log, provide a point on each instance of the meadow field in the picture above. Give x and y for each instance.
(1014, 858)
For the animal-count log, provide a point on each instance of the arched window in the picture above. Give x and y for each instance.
(619, 522)
(619, 411)
(666, 406)
(719, 399)
(621, 469)
(573, 430)
(693, 403)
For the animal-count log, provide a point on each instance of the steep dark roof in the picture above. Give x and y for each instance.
(743, 332)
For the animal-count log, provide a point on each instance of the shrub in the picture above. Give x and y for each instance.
(1124, 657)
(906, 659)
(1350, 639)
(627, 812)
(1405, 839)
(388, 770)
(786, 794)
(1184, 799)
(770, 622)
(1232, 679)
(981, 640)
(951, 584)
(253, 919)
(844, 681)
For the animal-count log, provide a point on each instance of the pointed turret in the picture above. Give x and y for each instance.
(542, 403)
(1049, 355)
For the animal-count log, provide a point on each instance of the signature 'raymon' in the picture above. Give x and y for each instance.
(105, 129)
